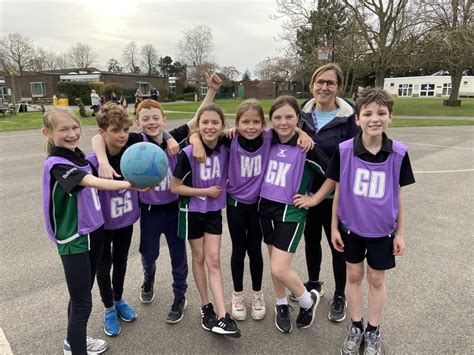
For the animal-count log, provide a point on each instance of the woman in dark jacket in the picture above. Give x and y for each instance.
(329, 120)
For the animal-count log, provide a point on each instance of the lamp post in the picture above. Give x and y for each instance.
(12, 75)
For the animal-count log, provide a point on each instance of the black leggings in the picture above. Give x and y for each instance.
(80, 270)
(115, 253)
(246, 235)
(319, 217)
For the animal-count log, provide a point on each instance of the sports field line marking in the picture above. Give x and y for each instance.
(5, 348)
(442, 171)
(439, 146)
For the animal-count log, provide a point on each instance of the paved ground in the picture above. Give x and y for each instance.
(430, 308)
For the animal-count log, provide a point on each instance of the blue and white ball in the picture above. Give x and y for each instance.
(144, 164)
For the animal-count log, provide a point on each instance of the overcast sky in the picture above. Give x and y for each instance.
(242, 30)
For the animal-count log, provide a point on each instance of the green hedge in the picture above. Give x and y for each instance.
(74, 89)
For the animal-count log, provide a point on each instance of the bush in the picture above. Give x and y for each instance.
(112, 87)
(186, 97)
(74, 89)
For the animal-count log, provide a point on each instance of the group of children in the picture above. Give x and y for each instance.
(261, 176)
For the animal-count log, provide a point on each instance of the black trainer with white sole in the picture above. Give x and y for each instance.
(306, 316)
(226, 326)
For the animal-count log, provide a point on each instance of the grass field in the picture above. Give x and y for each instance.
(403, 107)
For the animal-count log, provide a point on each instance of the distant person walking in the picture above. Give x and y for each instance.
(154, 94)
(95, 102)
(138, 99)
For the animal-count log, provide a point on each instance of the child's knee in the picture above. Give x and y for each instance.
(355, 274)
(213, 262)
(376, 278)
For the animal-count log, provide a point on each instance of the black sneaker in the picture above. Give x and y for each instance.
(226, 326)
(310, 285)
(177, 310)
(282, 318)
(208, 316)
(148, 294)
(306, 316)
(338, 309)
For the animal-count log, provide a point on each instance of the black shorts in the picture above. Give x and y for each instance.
(282, 235)
(193, 225)
(378, 251)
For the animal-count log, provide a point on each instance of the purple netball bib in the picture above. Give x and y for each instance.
(283, 173)
(368, 192)
(246, 170)
(119, 208)
(212, 172)
(88, 204)
(161, 194)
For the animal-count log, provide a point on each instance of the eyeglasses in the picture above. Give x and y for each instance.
(331, 84)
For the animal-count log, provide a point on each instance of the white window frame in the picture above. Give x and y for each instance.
(142, 85)
(43, 91)
(427, 90)
(405, 89)
(447, 87)
(172, 86)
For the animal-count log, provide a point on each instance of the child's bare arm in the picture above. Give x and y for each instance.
(399, 239)
(177, 187)
(199, 153)
(105, 169)
(214, 84)
(305, 142)
(306, 201)
(90, 180)
(336, 238)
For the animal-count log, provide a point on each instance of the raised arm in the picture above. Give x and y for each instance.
(213, 84)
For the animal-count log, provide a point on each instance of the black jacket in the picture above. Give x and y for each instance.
(341, 128)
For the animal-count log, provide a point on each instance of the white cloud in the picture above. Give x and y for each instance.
(242, 30)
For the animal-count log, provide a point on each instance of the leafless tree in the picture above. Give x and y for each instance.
(45, 60)
(17, 53)
(450, 38)
(130, 57)
(196, 47)
(230, 72)
(150, 58)
(81, 55)
(389, 28)
(276, 68)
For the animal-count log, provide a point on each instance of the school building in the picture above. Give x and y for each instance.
(428, 86)
(35, 85)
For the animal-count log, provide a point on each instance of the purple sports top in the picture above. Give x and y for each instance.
(212, 172)
(88, 205)
(161, 194)
(368, 192)
(283, 173)
(246, 170)
(119, 208)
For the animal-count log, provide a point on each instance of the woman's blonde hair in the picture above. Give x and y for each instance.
(330, 66)
(50, 119)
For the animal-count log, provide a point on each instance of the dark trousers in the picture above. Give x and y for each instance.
(246, 236)
(319, 217)
(152, 224)
(115, 253)
(80, 270)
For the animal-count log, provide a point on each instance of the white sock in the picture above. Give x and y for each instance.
(305, 301)
(282, 301)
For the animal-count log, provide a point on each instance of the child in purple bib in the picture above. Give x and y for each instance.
(74, 220)
(369, 172)
(202, 190)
